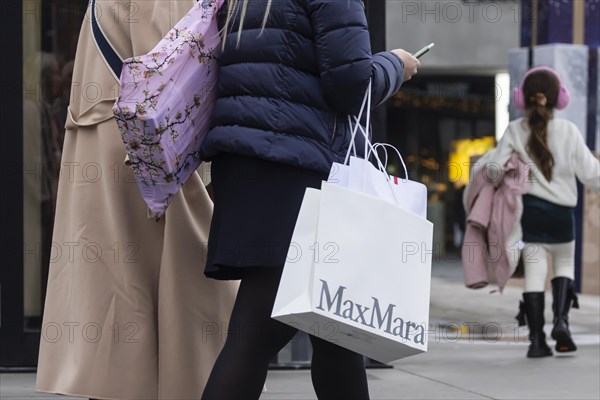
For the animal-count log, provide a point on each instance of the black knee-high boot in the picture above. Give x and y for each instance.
(532, 312)
(563, 293)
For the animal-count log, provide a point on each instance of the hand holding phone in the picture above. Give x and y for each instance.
(424, 50)
(411, 63)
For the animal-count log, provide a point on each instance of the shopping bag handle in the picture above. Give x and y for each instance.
(369, 149)
(385, 146)
(352, 147)
(380, 165)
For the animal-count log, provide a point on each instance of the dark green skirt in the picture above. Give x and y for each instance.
(546, 222)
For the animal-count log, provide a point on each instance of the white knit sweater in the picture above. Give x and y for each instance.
(572, 158)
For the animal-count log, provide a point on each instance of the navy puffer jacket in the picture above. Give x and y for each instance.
(284, 95)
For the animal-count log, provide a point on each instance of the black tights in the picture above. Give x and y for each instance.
(254, 338)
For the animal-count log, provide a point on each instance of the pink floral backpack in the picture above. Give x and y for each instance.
(166, 102)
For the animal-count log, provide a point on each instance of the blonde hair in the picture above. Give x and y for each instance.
(232, 7)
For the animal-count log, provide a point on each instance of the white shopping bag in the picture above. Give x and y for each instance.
(358, 274)
(360, 174)
(339, 174)
(358, 270)
(365, 178)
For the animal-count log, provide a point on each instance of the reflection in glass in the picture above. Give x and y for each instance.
(50, 30)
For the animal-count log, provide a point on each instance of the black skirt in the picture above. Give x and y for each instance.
(546, 222)
(256, 207)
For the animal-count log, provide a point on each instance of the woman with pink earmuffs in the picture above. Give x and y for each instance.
(557, 154)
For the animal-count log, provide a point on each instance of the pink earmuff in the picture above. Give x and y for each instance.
(563, 94)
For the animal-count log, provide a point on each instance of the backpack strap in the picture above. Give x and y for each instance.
(111, 57)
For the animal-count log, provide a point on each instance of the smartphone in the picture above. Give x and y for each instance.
(424, 50)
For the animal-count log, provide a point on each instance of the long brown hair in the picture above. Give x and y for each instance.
(540, 91)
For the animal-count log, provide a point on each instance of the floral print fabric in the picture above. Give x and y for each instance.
(165, 104)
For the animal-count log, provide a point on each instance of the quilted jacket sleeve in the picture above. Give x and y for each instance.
(344, 55)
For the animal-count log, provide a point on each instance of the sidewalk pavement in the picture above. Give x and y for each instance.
(476, 351)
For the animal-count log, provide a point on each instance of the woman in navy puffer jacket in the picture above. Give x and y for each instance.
(290, 73)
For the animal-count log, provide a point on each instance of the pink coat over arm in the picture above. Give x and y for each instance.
(494, 206)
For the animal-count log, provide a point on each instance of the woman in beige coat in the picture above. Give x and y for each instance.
(128, 314)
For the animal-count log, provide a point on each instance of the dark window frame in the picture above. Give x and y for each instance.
(19, 348)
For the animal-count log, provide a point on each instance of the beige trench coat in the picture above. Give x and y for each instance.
(128, 312)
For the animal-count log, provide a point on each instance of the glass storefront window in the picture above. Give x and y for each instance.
(426, 121)
(50, 31)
